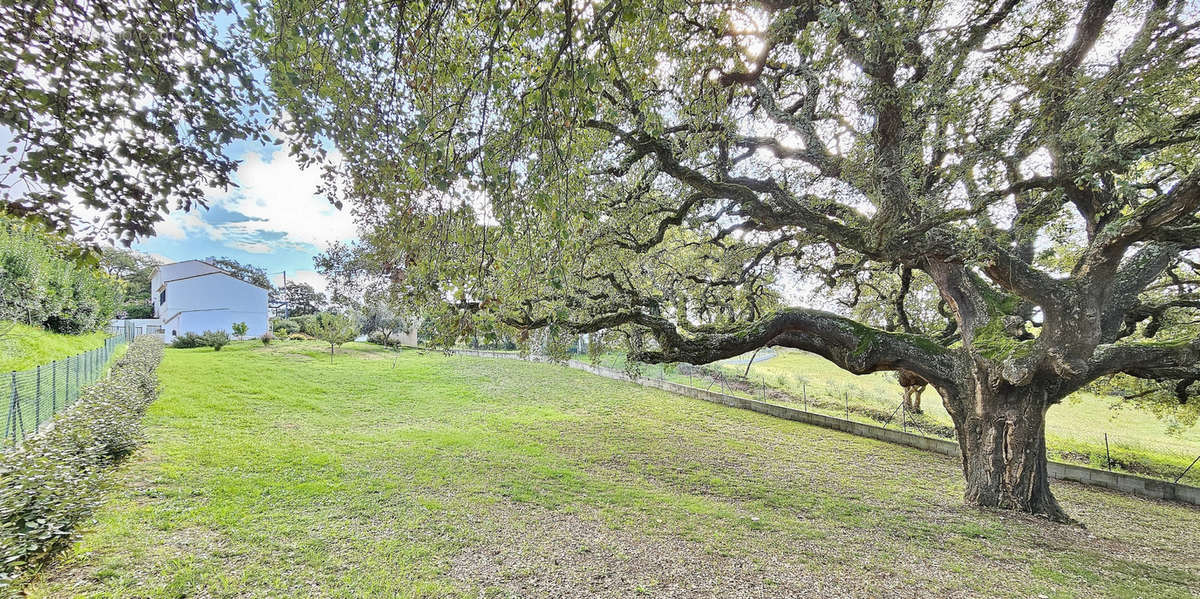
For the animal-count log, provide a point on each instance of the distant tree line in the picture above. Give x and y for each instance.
(132, 271)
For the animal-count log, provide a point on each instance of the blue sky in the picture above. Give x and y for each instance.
(273, 219)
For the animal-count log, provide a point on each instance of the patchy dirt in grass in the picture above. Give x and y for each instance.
(532, 552)
(491, 479)
(524, 550)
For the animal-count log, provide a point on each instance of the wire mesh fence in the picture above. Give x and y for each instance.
(33, 396)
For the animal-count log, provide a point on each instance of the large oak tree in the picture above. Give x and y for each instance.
(665, 169)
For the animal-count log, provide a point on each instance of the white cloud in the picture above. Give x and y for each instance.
(278, 197)
(283, 197)
(311, 277)
(178, 225)
(252, 248)
(170, 228)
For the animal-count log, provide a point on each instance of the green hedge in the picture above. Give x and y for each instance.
(213, 339)
(51, 482)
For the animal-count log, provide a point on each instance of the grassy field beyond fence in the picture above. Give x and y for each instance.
(1138, 442)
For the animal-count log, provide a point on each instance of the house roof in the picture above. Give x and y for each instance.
(158, 267)
(205, 274)
(218, 271)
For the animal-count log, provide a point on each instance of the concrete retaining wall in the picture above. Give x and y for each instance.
(1128, 483)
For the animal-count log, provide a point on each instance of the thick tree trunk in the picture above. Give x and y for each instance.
(1002, 434)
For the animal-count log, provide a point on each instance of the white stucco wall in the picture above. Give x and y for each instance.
(216, 320)
(169, 272)
(214, 291)
(213, 302)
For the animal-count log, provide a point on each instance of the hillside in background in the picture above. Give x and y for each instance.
(24, 346)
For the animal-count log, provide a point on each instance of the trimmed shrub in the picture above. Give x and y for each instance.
(284, 326)
(266, 338)
(296, 324)
(300, 337)
(52, 481)
(188, 341)
(215, 339)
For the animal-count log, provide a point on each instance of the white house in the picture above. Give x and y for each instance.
(194, 296)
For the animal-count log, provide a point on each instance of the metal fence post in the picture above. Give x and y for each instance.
(37, 399)
(14, 413)
(12, 404)
(87, 366)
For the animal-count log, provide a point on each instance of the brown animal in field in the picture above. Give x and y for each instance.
(913, 386)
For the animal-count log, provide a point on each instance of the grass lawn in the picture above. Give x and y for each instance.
(271, 473)
(25, 346)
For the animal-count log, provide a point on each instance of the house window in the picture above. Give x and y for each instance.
(162, 297)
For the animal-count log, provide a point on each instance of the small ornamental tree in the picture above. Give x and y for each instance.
(239, 329)
(334, 329)
(1017, 184)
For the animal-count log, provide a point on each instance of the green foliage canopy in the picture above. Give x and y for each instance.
(669, 169)
(255, 275)
(134, 271)
(126, 107)
(673, 171)
(296, 299)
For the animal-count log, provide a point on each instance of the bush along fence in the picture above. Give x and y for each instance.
(51, 480)
(1128, 483)
(31, 397)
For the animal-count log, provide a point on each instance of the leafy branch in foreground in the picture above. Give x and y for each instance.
(123, 108)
